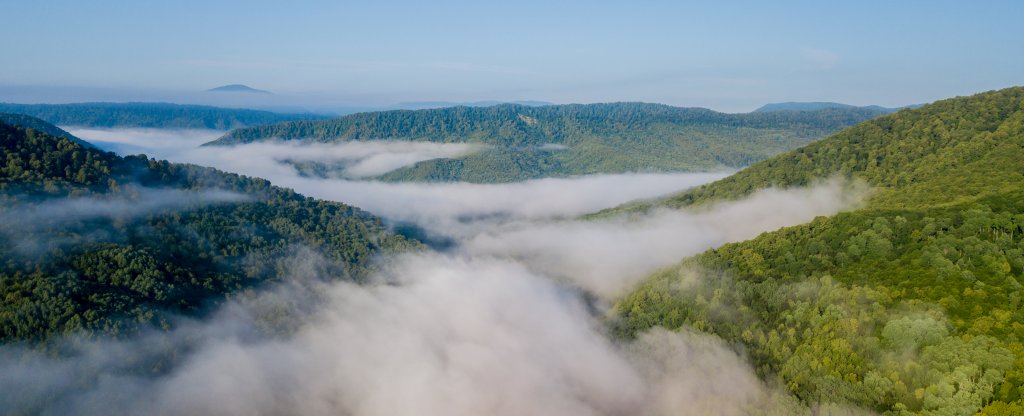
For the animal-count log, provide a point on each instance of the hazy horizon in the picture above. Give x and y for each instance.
(727, 57)
(296, 103)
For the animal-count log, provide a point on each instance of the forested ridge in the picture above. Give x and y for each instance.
(526, 142)
(39, 125)
(939, 153)
(165, 238)
(908, 305)
(150, 115)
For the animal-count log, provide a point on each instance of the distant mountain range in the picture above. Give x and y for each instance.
(238, 88)
(588, 138)
(150, 115)
(820, 105)
(423, 105)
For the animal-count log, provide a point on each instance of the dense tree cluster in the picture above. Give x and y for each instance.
(151, 115)
(65, 271)
(951, 150)
(39, 125)
(587, 139)
(911, 304)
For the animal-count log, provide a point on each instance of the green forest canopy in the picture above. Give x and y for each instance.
(911, 304)
(39, 125)
(111, 274)
(526, 142)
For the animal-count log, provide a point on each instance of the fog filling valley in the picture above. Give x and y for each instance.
(38, 225)
(506, 319)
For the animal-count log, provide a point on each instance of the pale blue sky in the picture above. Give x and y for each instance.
(731, 56)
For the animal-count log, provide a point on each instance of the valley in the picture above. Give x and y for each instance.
(804, 275)
(401, 208)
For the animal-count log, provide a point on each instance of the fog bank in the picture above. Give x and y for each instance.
(503, 322)
(434, 335)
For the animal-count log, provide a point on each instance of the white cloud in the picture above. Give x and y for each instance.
(358, 158)
(436, 335)
(496, 325)
(608, 257)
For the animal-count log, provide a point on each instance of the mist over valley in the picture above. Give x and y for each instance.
(520, 208)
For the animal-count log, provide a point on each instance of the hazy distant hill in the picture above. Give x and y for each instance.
(152, 115)
(423, 105)
(909, 305)
(96, 242)
(814, 106)
(527, 142)
(237, 88)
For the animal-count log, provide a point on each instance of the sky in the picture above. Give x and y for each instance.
(728, 56)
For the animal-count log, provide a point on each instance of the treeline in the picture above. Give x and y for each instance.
(910, 305)
(111, 272)
(953, 149)
(593, 138)
(39, 125)
(518, 125)
(150, 115)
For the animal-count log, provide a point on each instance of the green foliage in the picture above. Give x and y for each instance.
(911, 304)
(39, 125)
(109, 274)
(531, 142)
(946, 152)
(155, 115)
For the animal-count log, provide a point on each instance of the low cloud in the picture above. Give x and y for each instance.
(453, 208)
(502, 323)
(435, 335)
(421, 202)
(552, 147)
(127, 203)
(35, 226)
(608, 257)
(355, 159)
(152, 142)
(358, 159)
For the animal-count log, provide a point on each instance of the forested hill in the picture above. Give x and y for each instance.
(39, 125)
(150, 115)
(946, 152)
(94, 242)
(529, 142)
(909, 305)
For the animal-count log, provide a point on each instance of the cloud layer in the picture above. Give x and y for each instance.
(502, 323)
(356, 159)
(435, 335)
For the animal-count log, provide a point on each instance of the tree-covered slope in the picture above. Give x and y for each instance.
(910, 304)
(39, 125)
(948, 151)
(150, 115)
(96, 242)
(527, 142)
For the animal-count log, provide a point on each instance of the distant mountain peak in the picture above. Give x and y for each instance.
(820, 105)
(237, 88)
